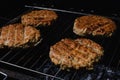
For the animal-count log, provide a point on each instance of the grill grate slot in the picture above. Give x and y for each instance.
(3, 53)
(35, 63)
(48, 68)
(15, 53)
(32, 57)
(6, 55)
(22, 59)
(42, 65)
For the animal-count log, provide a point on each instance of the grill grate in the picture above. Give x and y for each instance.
(36, 59)
(3, 76)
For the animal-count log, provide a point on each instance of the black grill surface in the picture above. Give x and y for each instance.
(35, 61)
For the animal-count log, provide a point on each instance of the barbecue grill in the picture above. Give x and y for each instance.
(34, 63)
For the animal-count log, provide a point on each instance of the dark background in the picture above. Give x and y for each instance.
(12, 8)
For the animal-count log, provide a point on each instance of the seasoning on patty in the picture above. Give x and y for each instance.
(18, 35)
(75, 53)
(94, 25)
(39, 17)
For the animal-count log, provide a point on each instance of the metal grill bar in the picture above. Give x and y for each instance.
(42, 64)
(23, 57)
(6, 55)
(29, 59)
(3, 52)
(56, 10)
(30, 70)
(37, 61)
(34, 56)
(4, 76)
(48, 69)
(15, 54)
(74, 75)
(56, 74)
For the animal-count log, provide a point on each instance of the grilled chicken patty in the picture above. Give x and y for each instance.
(94, 25)
(17, 35)
(39, 17)
(77, 53)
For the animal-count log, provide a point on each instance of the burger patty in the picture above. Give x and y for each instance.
(94, 25)
(39, 17)
(75, 53)
(18, 35)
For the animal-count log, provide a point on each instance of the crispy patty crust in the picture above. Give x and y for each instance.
(39, 17)
(75, 53)
(18, 35)
(94, 25)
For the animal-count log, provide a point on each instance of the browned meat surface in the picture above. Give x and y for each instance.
(94, 25)
(78, 53)
(39, 17)
(17, 35)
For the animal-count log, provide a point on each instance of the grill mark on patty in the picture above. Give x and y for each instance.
(81, 50)
(29, 35)
(93, 25)
(11, 35)
(67, 52)
(105, 29)
(79, 53)
(14, 35)
(15, 44)
(57, 56)
(65, 55)
(66, 49)
(70, 53)
(1, 44)
(95, 53)
(4, 35)
(19, 35)
(54, 50)
(37, 35)
(25, 35)
(72, 50)
(39, 17)
(97, 48)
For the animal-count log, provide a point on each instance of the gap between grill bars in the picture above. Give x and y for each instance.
(16, 66)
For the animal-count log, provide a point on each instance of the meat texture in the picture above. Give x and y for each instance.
(94, 25)
(18, 35)
(39, 17)
(77, 53)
